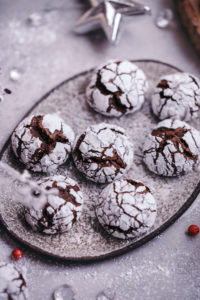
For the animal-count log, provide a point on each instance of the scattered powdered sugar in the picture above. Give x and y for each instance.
(172, 149)
(126, 209)
(42, 142)
(86, 239)
(177, 96)
(103, 153)
(117, 88)
(102, 296)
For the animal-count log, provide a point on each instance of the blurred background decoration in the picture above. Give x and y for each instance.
(108, 15)
(189, 12)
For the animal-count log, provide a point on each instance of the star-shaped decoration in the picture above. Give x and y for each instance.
(107, 14)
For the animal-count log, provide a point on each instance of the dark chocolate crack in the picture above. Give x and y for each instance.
(121, 205)
(48, 139)
(21, 278)
(77, 153)
(195, 81)
(163, 84)
(111, 228)
(20, 143)
(22, 286)
(137, 185)
(141, 224)
(65, 194)
(114, 100)
(176, 136)
(112, 129)
(103, 161)
(116, 131)
(108, 161)
(197, 102)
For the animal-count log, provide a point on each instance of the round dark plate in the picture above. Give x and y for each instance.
(87, 241)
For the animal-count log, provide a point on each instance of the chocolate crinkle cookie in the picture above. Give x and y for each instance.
(126, 209)
(103, 153)
(172, 148)
(59, 210)
(117, 88)
(12, 283)
(42, 142)
(177, 96)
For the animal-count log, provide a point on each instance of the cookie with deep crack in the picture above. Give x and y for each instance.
(42, 142)
(12, 283)
(126, 209)
(177, 96)
(172, 148)
(59, 210)
(103, 153)
(117, 88)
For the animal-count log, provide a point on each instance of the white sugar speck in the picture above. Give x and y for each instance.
(35, 19)
(15, 75)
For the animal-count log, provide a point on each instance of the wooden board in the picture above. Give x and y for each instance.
(189, 12)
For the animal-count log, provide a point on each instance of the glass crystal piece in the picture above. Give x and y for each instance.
(15, 75)
(102, 296)
(1, 98)
(64, 292)
(164, 18)
(35, 19)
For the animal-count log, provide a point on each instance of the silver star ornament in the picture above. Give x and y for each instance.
(108, 14)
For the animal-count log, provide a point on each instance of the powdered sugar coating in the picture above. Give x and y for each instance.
(177, 96)
(42, 142)
(117, 88)
(173, 148)
(60, 211)
(126, 209)
(12, 283)
(103, 153)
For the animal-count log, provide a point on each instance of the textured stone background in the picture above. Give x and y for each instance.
(168, 266)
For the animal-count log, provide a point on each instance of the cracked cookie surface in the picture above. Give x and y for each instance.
(59, 212)
(172, 148)
(126, 209)
(117, 88)
(12, 283)
(42, 142)
(177, 96)
(103, 153)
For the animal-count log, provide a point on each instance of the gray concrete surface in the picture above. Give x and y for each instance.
(165, 268)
